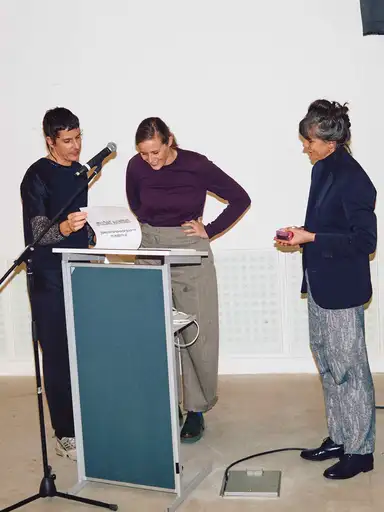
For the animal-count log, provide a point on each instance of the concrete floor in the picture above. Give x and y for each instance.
(254, 413)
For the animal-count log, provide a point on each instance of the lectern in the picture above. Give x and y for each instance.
(124, 369)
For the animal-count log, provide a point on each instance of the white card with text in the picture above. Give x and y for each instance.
(115, 227)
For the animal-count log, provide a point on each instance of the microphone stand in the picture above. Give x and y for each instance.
(47, 486)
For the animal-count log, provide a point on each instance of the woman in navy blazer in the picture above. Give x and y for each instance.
(338, 237)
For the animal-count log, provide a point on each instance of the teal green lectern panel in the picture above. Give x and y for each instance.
(123, 375)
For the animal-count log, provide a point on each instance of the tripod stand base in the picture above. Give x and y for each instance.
(48, 490)
(47, 485)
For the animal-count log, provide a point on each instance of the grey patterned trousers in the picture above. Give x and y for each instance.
(337, 341)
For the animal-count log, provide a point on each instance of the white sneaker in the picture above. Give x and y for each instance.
(66, 447)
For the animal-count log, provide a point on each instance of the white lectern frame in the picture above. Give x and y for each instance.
(96, 259)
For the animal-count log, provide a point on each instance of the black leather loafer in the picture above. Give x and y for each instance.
(349, 466)
(327, 450)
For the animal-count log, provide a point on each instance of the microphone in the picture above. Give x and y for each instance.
(97, 159)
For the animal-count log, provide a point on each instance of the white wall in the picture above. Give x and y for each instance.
(232, 79)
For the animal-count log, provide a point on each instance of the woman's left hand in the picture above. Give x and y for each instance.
(195, 228)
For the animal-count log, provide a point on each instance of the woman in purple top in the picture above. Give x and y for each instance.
(166, 190)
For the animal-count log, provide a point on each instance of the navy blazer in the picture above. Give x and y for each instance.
(340, 211)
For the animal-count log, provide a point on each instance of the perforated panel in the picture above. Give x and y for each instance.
(250, 302)
(15, 331)
(21, 316)
(296, 313)
(261, 312)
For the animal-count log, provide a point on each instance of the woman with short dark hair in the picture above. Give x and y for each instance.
(46, 188)
(338, 236)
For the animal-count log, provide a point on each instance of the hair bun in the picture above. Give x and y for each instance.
(338, 110)
(328, 120)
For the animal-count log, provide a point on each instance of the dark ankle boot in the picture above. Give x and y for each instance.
(349, 466)
(327, 450)
(193, 427)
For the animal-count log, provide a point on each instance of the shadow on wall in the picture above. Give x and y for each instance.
(16, 272)
(223, 201)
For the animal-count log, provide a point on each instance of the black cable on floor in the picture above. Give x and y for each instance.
(259, 455)
(269, 452)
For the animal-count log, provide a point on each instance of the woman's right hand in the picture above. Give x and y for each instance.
(75, 221)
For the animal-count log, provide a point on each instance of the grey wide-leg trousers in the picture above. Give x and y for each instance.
(194, 290)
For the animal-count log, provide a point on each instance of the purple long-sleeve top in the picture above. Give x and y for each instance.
(177, 192)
